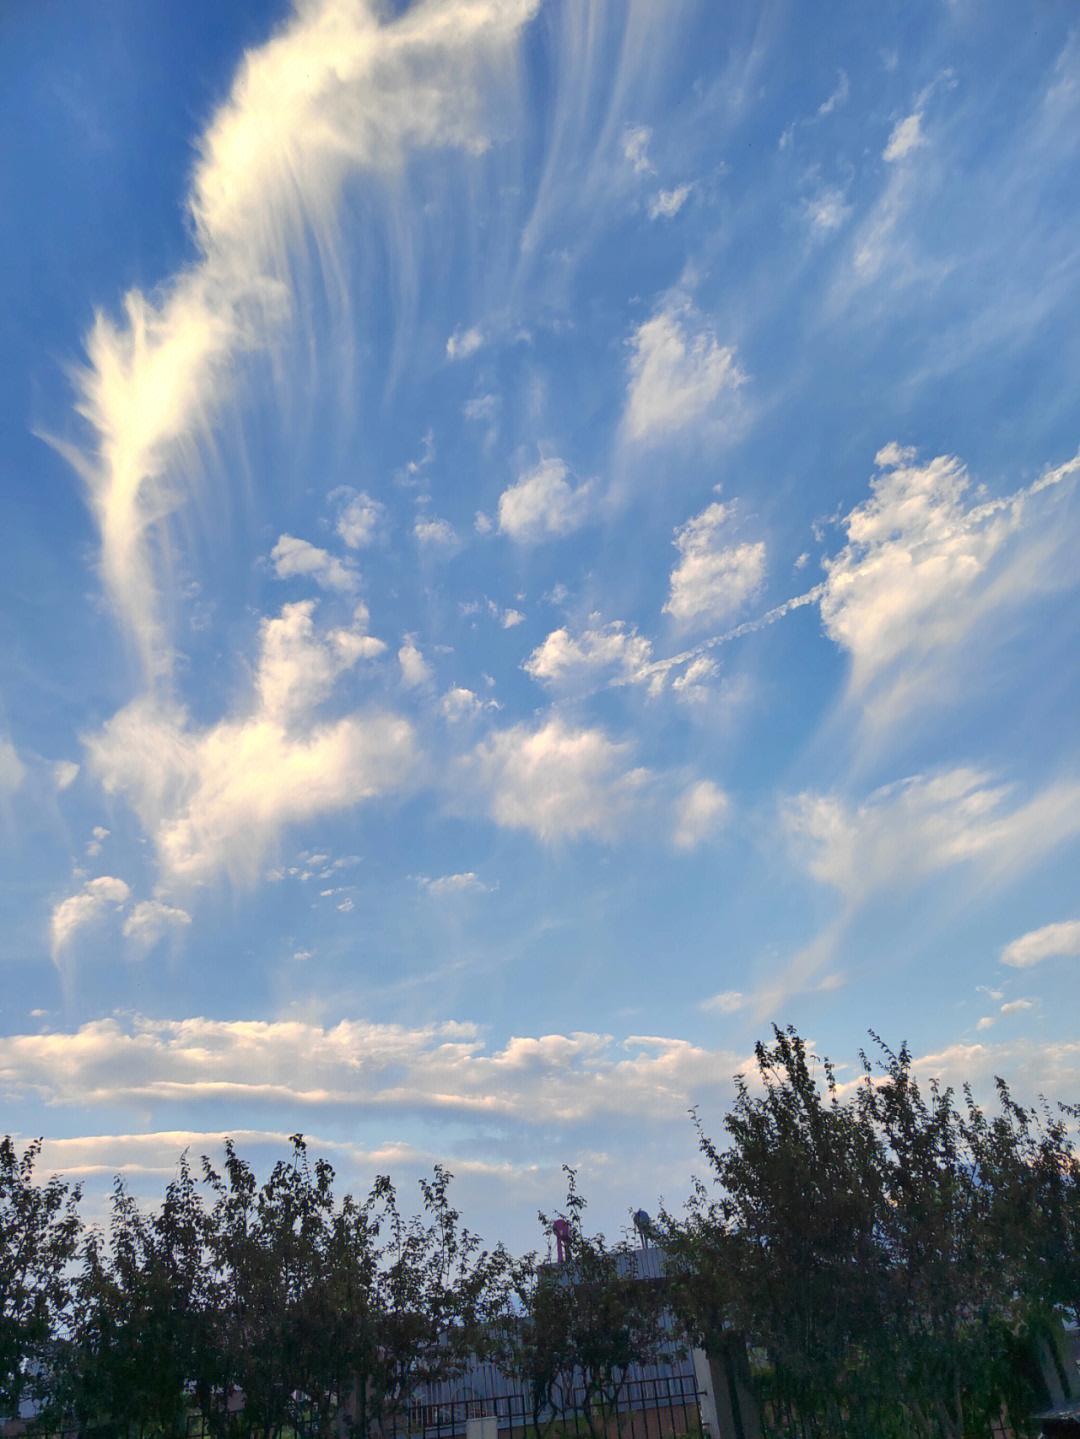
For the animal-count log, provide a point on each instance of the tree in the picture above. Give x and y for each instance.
(439, 1292)
(39, 1233)
(967, 1301)
(267, 1338)
(141, 1312)
(794, 1229)
(587, 1324)
(892, 1258)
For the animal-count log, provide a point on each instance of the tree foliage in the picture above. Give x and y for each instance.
(894, 1258)
(39, 1231)
(583, 1325)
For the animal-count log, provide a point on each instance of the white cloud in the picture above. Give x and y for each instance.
(1016, 1006)
(297, 557)
(699, 814)
(666, 203)
(923, 567)
(729, 1001)
(12, 769)
(438, 534)
(690, 685)
(676, 375)
(336, 91)
(460, 703)
(562, 661)
(713, 580)
(1032, 1066)
(89, 905)
(482, 407)
(541, 504)
(875, 243)
(906, 136)
(986, 1022)
(151, 919)
(360, 520)
(827, 211)
(635, 148)
(65, 772)
(926, 824)
(409, 474)
(215, 798)
(446, 884)
(463, 343)
(838, 96)
(445, 1067)
(1050, 942)
(297, 667)
(414, 668)
(558, 782)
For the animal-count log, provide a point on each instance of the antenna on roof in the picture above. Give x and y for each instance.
(642, 1223)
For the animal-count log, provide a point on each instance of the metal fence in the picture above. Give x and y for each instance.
(653, 1408)
(662, 1407)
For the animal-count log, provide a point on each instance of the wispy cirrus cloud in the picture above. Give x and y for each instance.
(925, 824)
(699, 813)
(907, 135)
(337, 91)
(12, 769)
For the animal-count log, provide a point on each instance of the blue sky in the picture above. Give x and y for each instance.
(539, 540)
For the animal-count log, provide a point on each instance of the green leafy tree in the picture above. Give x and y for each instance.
(894, 1259)
(795, 1226)
(587, 1323)
(440, 1291)
(962, 1222)
(141, 1307)
(39, 1235)
(264, 1342)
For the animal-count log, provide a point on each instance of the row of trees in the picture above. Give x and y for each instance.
(894, 1259)
(323, 1315)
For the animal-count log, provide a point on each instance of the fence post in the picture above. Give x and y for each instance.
(728, 1407)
